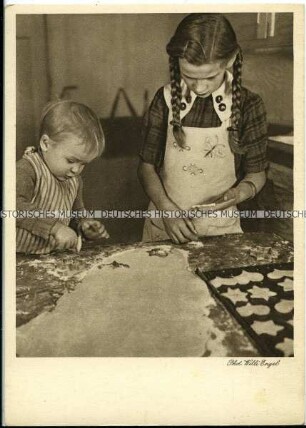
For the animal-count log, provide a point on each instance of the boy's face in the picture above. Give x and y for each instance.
(203, 79)
(65, 159)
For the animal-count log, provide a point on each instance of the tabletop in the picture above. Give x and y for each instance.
(41, 281)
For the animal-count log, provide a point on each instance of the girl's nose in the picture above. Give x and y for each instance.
(200, 86)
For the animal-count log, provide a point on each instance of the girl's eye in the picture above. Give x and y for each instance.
(70, 161)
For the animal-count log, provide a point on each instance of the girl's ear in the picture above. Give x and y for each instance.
(44, 142)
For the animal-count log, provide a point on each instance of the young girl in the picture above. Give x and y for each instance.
(204, 134)
(48, 178)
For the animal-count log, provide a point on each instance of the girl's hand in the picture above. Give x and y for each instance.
(234, 196)
(65, 237)
(93, 229)
(180, 230)
(228, 199)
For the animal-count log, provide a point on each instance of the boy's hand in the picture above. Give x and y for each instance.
(93, 229)
(65, 237)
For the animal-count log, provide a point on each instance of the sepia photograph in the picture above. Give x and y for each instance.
(156, 201)
(194, 113)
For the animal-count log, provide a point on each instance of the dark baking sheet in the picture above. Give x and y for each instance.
(265, 343)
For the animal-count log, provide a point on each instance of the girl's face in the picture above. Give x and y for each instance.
(65, 159)
(204, 79)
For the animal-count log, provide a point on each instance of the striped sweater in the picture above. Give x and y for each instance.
(48, 194)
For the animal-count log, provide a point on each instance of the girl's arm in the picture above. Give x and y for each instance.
(254, 138)
(251, 184)
(180, 230)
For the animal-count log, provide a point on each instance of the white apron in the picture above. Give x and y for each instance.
(198, 174)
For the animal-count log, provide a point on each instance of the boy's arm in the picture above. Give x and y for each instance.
(25, 185)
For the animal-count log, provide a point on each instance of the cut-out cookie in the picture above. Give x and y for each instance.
(277, 274)
(266, 327)
(195, 244)
(261, 293)
(284, 306)
(242, 279)
(236, 296)
(249, 310)
(287, 284)
(160, 251)
(286, 347)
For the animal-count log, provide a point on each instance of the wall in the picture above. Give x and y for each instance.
(89, 57)
(111, 51)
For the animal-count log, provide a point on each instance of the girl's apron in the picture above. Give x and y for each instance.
(198, 174)
(50, 194)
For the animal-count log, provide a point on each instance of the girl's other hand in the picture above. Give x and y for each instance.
(94, 229)
(180, 230)
(65, 237)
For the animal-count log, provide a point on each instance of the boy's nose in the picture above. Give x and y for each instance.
(76, 169)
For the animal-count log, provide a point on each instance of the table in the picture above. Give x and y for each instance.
(43, 281)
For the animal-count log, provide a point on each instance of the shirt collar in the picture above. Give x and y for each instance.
(222, 97)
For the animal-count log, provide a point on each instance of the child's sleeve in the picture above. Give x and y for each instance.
(254, 134)
(154, 131)
(25, 185)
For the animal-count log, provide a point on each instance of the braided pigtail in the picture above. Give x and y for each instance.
(235, 129)
(176, 97)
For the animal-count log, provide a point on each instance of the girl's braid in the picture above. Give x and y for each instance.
(176, 98)
(234, 130)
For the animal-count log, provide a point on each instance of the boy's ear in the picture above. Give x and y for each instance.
(44, 142)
